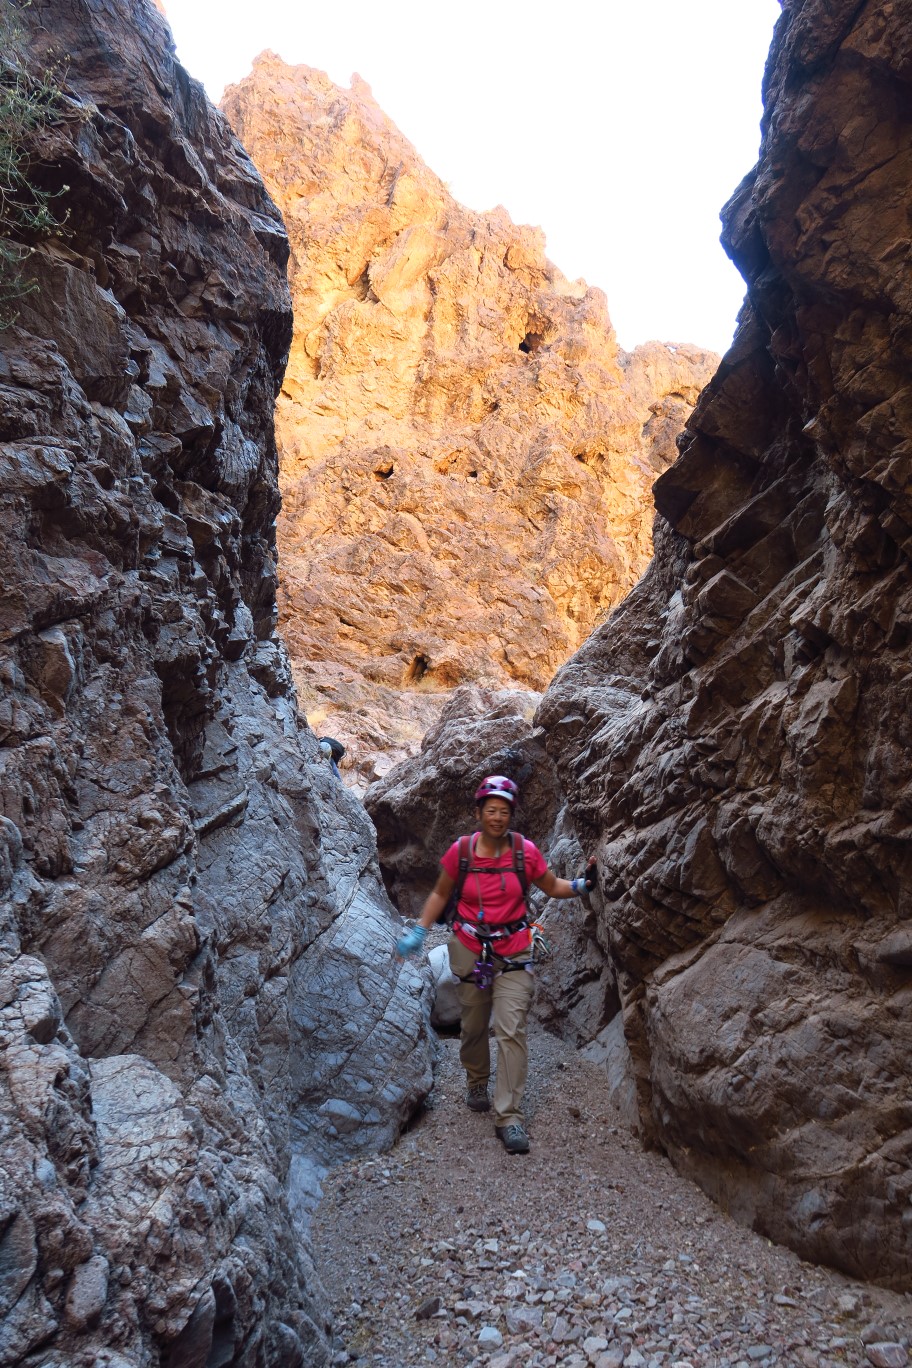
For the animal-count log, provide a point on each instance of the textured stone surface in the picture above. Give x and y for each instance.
(198, 1001)
(737, 736)
(466, 455)
(593, 1241)
(446, 1011)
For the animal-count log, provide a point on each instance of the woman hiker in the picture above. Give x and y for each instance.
(491, 948)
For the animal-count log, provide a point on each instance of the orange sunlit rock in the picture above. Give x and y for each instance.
(466, 454)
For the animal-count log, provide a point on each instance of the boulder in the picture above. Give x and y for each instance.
(446, 1011)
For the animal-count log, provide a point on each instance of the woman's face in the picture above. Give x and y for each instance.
(494, 817)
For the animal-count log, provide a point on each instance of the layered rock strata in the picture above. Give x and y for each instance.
(198, 1001)
(737, 736)
(466, 455)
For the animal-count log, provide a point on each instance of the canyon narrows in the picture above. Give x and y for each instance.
(735, 740)
(466, 455)
(200, 1009)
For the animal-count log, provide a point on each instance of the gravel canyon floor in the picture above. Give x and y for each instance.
(587, 1251)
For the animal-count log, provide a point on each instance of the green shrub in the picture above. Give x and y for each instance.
(27, 104)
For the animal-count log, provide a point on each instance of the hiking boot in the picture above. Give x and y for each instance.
(477, 1097)
(513, 1138)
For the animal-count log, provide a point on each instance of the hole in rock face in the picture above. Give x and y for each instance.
(166, 497)
(473, 474)
(103, 474)
(531, 342)
(361, 288)
(417, 670)
(383, 472)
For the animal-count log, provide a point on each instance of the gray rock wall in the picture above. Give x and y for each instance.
(736, 738)
(198, 1001)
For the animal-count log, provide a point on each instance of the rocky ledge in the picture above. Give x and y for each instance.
(198, 1002)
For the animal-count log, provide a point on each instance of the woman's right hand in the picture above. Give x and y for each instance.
(411, 942)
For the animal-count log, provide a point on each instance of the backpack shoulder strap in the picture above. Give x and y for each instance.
(519, 860)
(465, 860)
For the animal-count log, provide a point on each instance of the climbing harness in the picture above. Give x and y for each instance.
(485, 970)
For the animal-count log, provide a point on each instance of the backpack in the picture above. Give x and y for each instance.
(465, 868)
(336, 748)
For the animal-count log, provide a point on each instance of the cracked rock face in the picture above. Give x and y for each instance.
(198, 1001)
(466, 455)
(737, 736)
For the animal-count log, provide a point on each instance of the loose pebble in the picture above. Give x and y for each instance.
(466, 1257)
(428, 1308)
(887, 1355)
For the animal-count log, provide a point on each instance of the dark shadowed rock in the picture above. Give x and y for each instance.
(196, 970)
(736, 738)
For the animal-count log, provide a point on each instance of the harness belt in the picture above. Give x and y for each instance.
(507, 967)
(494, 933)
(488, 954)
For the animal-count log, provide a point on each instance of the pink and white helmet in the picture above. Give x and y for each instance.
(497, 786)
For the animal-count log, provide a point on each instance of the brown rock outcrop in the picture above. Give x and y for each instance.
(466, 456)
(737, 736)
(198, 1000)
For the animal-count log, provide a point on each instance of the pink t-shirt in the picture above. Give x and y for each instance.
(496, 891)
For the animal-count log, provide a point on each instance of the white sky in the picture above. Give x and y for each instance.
(619, 126)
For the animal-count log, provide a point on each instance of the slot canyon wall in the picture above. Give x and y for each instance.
(736, 739)
(198, 1001)
(466, 455)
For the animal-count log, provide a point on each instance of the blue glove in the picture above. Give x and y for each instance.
(411, 942)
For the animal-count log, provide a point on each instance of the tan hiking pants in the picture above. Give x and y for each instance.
(508, 1001)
